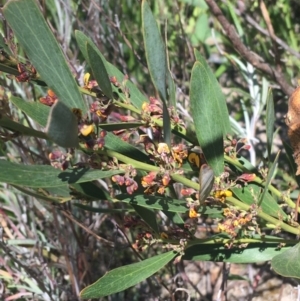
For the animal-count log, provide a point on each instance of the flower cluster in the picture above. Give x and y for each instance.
(89, 84)
(143, 240)
(162, 155)
(231, 146)
(100, 109)
(60, 160)
(236, 221)
(27, 72)
(222, 195)
(151, 109)
(127, 179)
(156, 182)
(50, 99)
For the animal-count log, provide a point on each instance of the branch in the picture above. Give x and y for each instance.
(246, 53)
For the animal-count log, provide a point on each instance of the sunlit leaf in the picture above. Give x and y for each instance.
(48, 176)
(136, 97)
(270, 120)
(270, 176)
(115, 143)
(287, 263)
(42, 49)
(250, 195)
(99, 71)
(210, 114)
(157, 63)
(253, 253)
(124, 277)
(35, 110)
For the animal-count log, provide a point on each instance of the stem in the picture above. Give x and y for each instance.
(147, 167)
(223, 241)
(259, 181)
(279, 224)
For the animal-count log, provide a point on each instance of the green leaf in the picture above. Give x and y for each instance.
(99, 71)
(89, 191)
(62, 126)
(166, 125)
(210, 114)
(157, 63)
(270, 121)
(120, 125)
(47, 176)
(271, 174)
(155, 51)
(174, 217)
(7, 123)
(136, 97)
(35, 110)
(166, 204)
(154, 202)
(148, 215)
(268, 204)
(254, 252)
(290, 157)
(43, 51)
(124, 277)
(171, 88)
(100, 210)
(8, 69)
(4, 46)
(114, 143)
(287, 263)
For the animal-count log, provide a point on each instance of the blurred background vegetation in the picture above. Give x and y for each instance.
(49, 256)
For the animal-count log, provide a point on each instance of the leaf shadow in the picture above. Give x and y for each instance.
(73, 176)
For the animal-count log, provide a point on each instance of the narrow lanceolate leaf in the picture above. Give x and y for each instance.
(62, 126)
(155, 51)
(258, 252)
(42, 49)
(157, 63)
(154, 202)
(270, 120)
(3, 45)
(270, 176)
(122, 278)
(35, 110)
(166, 125)
(212, 90)
(120, 125)
(99, 71)
(37, 176)
(148, 215)
(136, 97)
(115, 143)
(8, 124)
(249, 195)
(211, 123)
(287, 264)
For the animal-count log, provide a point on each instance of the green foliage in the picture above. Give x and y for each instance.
(116, 160)
(119, 279)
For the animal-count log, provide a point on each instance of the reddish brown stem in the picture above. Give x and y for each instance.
(245, 52)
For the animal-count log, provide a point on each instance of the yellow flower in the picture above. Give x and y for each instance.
(87, 129)
(193, 213)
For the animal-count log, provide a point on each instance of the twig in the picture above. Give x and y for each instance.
(267, 19)
(247, 54)
(281, 43)
(101, 239)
